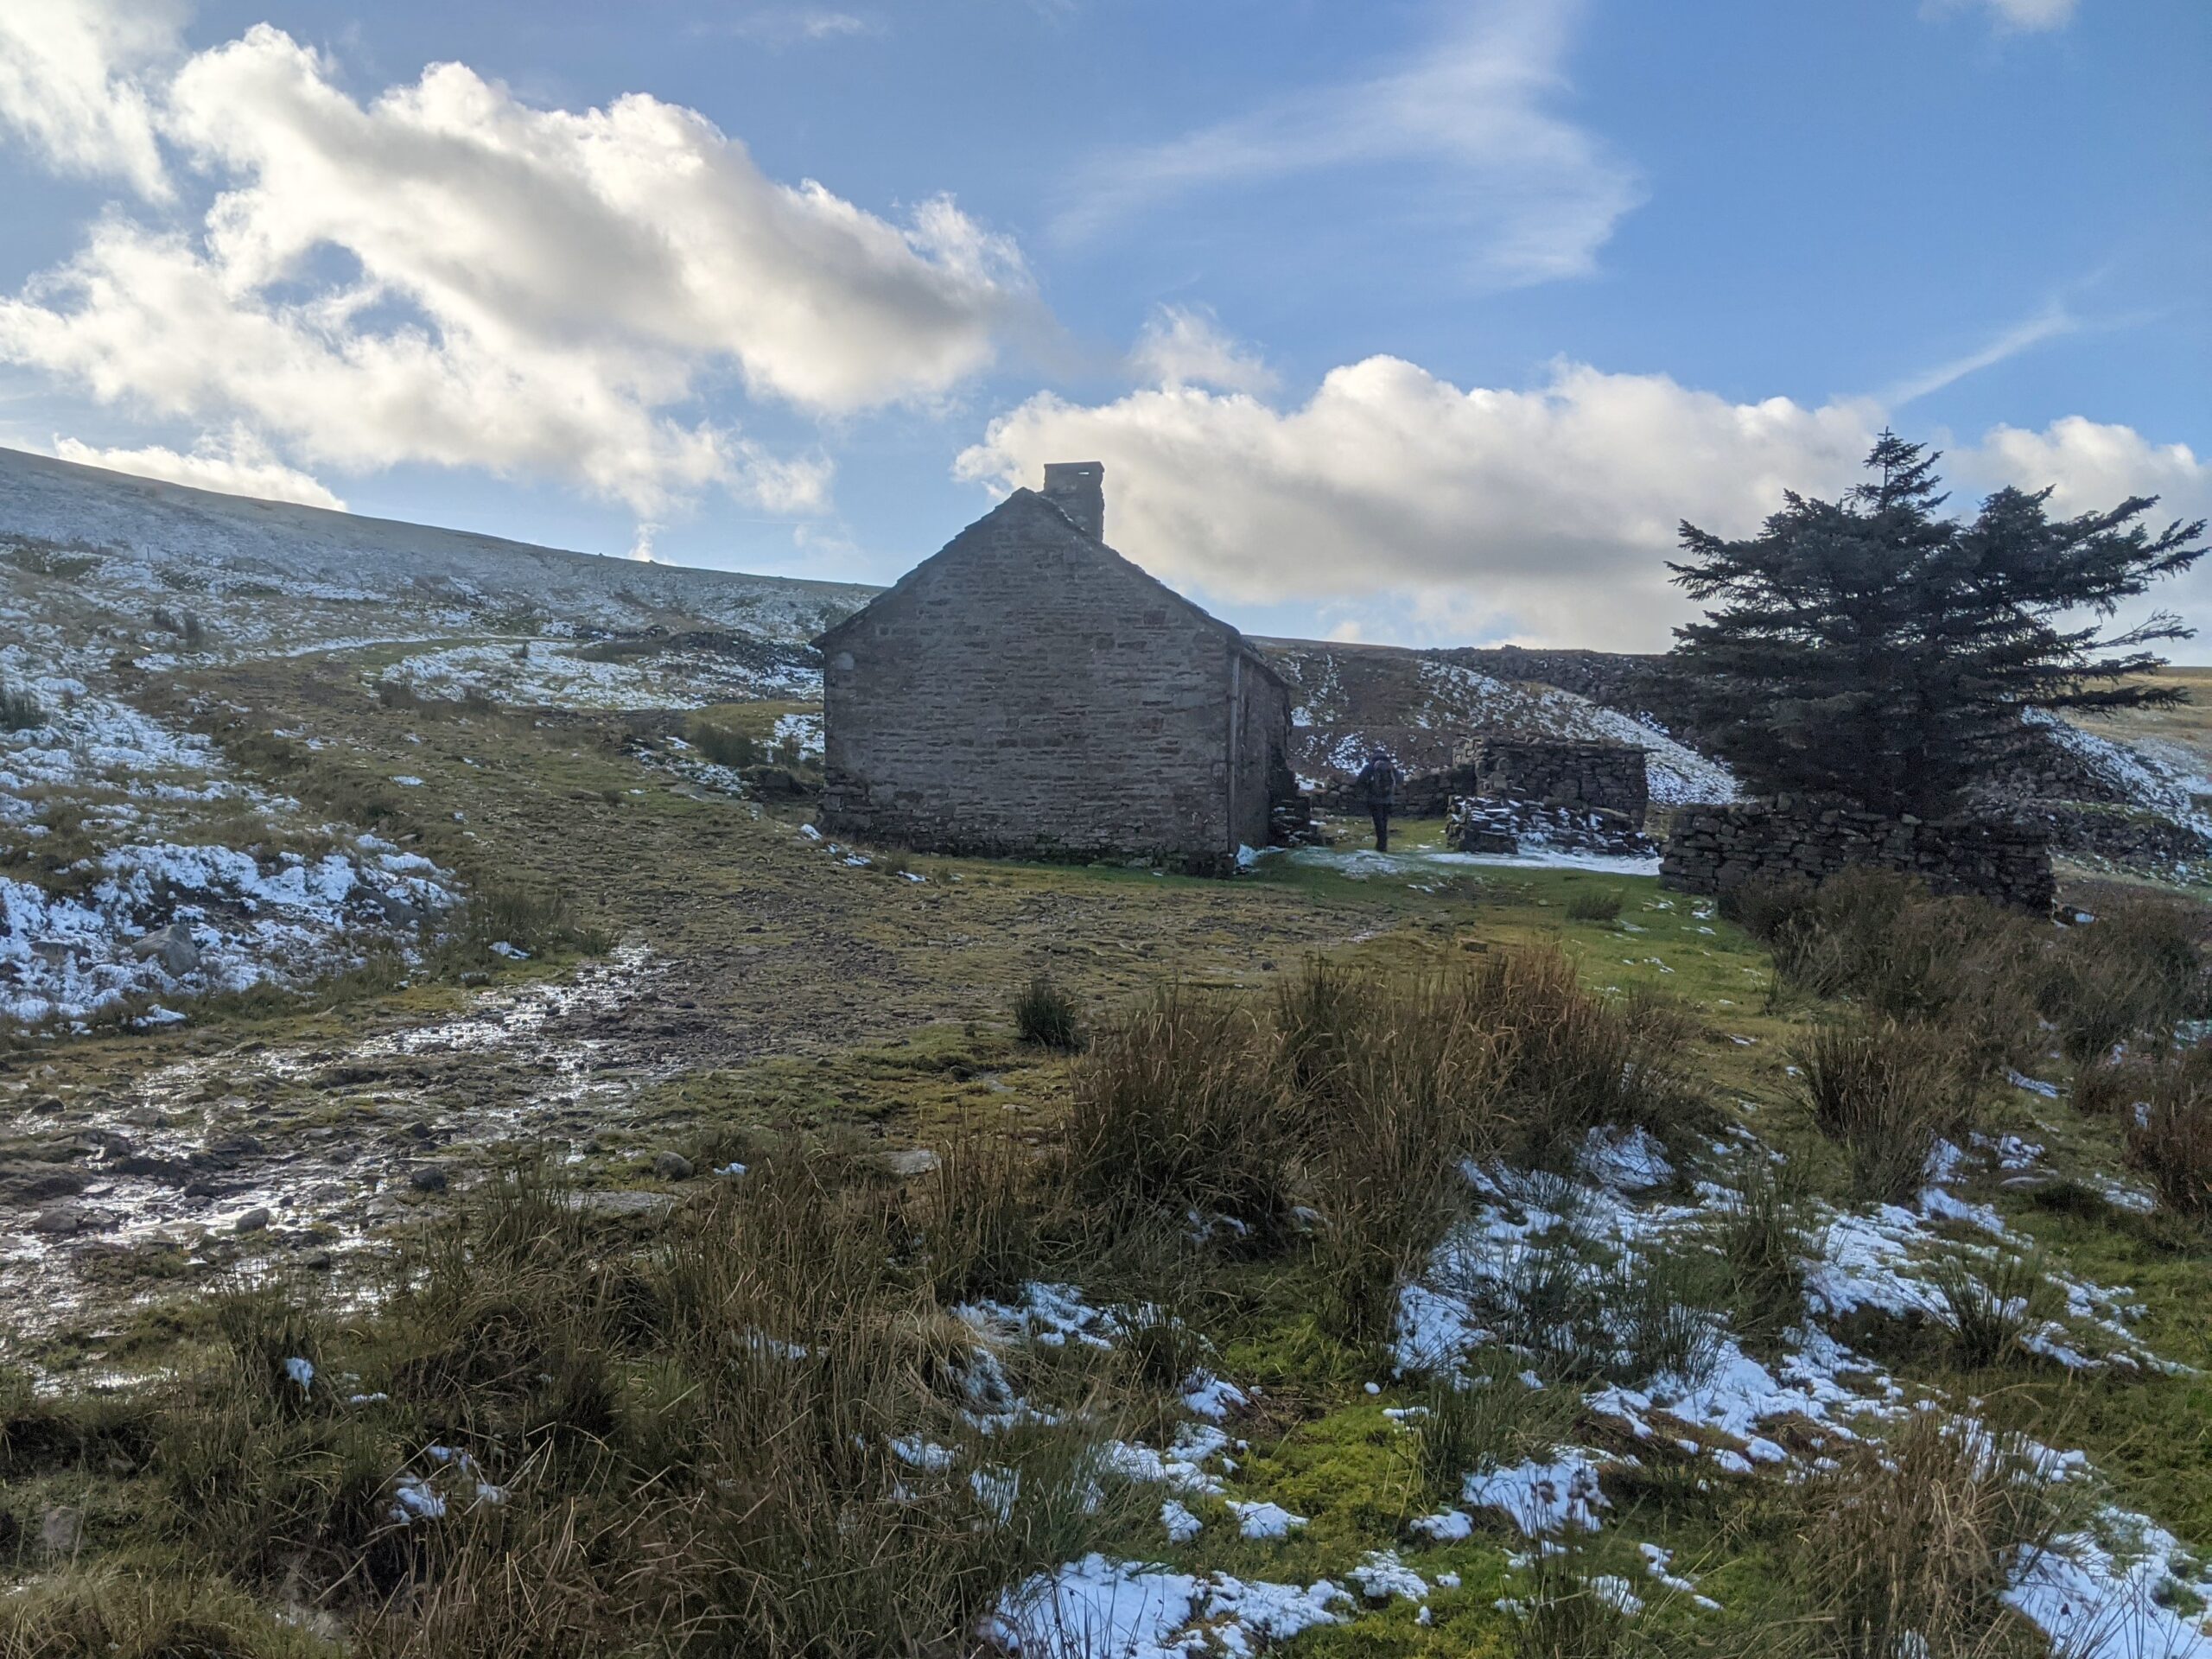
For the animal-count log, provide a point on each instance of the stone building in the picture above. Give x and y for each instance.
(1028, 691)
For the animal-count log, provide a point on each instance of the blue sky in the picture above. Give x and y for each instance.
(1403, 321)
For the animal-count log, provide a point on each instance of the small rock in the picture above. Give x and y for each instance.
(253, 1220)
(173, 946)
(908, 1161)
(671, 1166)
(426, 1178)
(58, 1220)
(202, 1190)
(624, 1203)
(61, 1529)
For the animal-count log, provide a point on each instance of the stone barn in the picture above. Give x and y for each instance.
(1026, 691)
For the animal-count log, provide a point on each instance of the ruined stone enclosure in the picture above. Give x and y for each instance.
(1028, 692)
(1603, 777)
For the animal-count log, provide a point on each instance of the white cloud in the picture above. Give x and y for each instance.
(73, 84)
(2091, 466)
(1406, 508)
(2022, 17)
(525, 289)
(2047, 324)
(1183, 346)
(796, 25)
(235, 462)
(1534, 195)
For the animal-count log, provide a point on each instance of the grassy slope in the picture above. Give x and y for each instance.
(802, 993)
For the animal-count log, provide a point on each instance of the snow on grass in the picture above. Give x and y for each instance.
(556, 674)
(1097, 1609)
(1543, 1496)
(1362, 864)
(2094, 1602)
(161, 919)
(2145, 779)
(1264, 1520)
(803, 730)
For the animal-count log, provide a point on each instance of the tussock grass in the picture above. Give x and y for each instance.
(1487, 1416)
(1594, 905)
(1563, 1615)
(2138, 970)
(1172, 1111)
(1578, 1319)
(1991, 1310)
(19, 709)
(2110, 1087)
(1888, 1092)
(705, 1433)
(1044, 1014)
(1765, 1238)
(2169, 1135)
(119, 1615)
(1988, 975)
(1353, 1097)
(725, 746)
(533, 918)
(1906, 1546)
(982, 1231)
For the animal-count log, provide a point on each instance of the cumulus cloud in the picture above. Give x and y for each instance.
(1182, 345)
(234, 462)
(445, 274)
(73, 84)
(1406, 508)
(1536, 195)
(2090, 464)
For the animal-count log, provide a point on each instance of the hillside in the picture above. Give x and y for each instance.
(270, 573)
(481, 1172)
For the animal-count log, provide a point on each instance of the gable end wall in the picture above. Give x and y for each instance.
(1022, 695)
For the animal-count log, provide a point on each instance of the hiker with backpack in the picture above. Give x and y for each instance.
(1377, 787)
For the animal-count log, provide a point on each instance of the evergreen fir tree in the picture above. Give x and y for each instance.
(1876, 650)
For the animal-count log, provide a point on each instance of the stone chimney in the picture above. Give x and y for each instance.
(1078, 489)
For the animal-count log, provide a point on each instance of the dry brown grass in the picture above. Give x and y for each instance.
(1905, 1546)
(1356, 1095)
(2170, 1132)
(1887, 1091)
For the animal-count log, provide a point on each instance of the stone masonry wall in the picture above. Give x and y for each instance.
(1029, 693)
(1608, 777)
(1711, 848)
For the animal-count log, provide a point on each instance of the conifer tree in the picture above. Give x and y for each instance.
(1876, 650)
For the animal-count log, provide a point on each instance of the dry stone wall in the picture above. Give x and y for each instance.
(1709, 849)
(1606, 777)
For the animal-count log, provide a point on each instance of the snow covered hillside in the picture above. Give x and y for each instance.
(271, 573)
(1352, 699)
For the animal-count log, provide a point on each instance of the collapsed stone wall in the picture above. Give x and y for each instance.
(1709, 849)
(1604, 777)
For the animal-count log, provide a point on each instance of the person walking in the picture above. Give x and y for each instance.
(1377, 786)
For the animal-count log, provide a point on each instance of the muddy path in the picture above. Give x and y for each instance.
(137, 1169)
